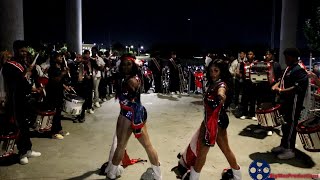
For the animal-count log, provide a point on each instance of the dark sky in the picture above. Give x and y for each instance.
(213, 23)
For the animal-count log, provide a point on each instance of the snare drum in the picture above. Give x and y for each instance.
(309, 133)
(8, 135)
(7, 143)
(261, 71)
(43, 121)
(72, 104)
(269, 117)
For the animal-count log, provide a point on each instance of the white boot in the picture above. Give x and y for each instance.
(114, 171)
(237, 174)
(157, 172)
(193, 174)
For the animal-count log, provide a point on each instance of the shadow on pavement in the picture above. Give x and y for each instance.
(85, 175)
(169, 97)
(8, 161)
(249, 132)
(302, 160)
(197, 103)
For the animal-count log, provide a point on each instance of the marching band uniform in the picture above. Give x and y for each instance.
(57, 80)
(234, 68)
(156, 71)
(174, 75)
(17, 87)
(249, 94)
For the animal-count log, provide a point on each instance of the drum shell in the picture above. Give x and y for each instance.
(261, 72)
(43, 121)
(269, 117)
(43, 81)
(309, 136)
(8, 135)
(73, 106)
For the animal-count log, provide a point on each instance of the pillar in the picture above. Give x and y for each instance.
(74, 25)
(11, 18)
(289, 20)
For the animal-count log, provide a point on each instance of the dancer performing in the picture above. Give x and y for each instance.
(213, 129)
(132, 119)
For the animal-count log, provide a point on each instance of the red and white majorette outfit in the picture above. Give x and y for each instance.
(214, 116)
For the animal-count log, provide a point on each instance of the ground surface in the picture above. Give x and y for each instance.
(171, 122)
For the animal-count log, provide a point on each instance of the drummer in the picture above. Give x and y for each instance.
(291, 89)
(267, 96)
(56, 85)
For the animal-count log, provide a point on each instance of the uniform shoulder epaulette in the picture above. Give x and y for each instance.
(17, 65)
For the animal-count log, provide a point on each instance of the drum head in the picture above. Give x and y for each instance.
(309, 126)
(70, 97)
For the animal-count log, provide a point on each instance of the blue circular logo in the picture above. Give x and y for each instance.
(259, 170)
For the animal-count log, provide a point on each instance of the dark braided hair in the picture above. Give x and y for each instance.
(225, 76)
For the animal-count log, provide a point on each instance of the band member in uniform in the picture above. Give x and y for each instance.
(235, 72)
(249, 91)
(156, 68)
(174, 74)
(14, 75)
(292, 89)
(265, 93)
(213, 129)
(132, 118)
(58, 82)
(80, 82)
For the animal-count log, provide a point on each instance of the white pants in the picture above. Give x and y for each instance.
(96, 82)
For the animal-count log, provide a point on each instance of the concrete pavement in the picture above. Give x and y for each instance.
(171, 122)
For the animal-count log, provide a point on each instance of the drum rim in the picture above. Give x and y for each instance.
(307, 131)
(263, 111)
(311, 150)
(46, 113)
(13, 136)
(79, 100)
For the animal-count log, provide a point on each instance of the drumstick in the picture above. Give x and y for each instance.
(65, 62)
(314, 110)
(44, 91)
(73, 90)
(35, 60)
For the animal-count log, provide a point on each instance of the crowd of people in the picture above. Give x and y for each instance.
(95, 75)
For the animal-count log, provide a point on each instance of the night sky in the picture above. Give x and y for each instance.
(213, 23)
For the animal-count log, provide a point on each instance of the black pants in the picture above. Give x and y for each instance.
(249, 96)
(157, 82)
(23, 142)
(84, 90)
(103, 88)
(237, 88)
(109, 84)
(55, 101)
(56, 121)
(174, 83)
(289, 131)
